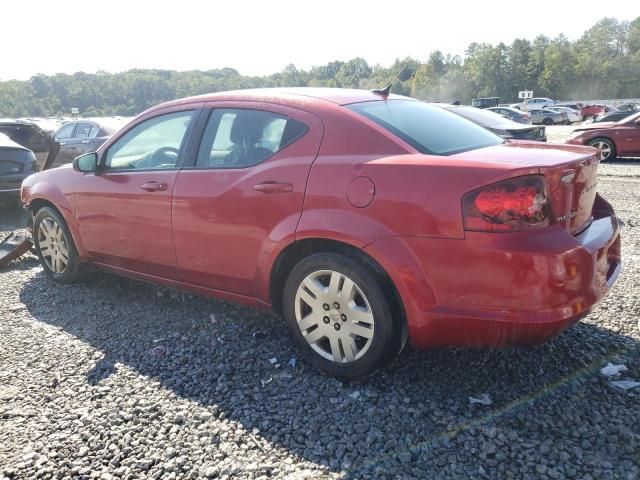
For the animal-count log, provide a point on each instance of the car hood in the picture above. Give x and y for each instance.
(596, 126)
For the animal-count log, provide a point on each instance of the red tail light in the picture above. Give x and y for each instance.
(508, 206)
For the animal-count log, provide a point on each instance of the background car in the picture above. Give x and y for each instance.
(573, 116)
(590, 111)
(612, 116)
(16, 163)
(497, 123)
(83, 136)
(485, 102)
(613, 139)
(534, 104)
(544, 116)
(33, 137)
(512, 114)
(628, 107)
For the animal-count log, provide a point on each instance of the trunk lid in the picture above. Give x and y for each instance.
(569, 170)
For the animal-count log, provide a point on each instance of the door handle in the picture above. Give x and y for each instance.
(154, 186)
(273, 187)
(85, 141)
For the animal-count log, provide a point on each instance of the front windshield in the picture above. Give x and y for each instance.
(427, 128)
(631, 118)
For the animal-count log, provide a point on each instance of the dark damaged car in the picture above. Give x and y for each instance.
(33, 137)
(16, 164)
(498, 124)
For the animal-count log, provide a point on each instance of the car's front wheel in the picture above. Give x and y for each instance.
(55, 247)
(339, 312)
(606, 146)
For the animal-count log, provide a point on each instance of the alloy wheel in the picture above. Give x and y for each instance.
(334, 316)
(53, 246)
(605, 149)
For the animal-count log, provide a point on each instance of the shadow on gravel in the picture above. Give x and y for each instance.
(411, 417)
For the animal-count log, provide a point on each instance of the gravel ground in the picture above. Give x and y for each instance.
(118, 379)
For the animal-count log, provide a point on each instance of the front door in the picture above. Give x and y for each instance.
(124, 210)
(244, 191)
(631, 138)
(64, 137)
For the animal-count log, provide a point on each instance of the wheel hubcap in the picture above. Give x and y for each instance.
(605, 149)
(334, 316)
(53, 246)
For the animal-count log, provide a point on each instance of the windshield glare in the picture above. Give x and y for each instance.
(427, 128)
(486, 118)
(631, 118)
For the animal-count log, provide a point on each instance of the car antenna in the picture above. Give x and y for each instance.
(386, 90)
(383, 91)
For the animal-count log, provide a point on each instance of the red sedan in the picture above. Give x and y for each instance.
(620, 139)
(364, 219)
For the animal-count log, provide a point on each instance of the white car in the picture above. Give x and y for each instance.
(534, 104)
(573, 115)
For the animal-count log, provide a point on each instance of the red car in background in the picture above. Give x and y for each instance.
(365, 219)
(614, 139)
(587, 111)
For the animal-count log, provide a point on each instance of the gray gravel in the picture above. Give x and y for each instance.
(118, 379)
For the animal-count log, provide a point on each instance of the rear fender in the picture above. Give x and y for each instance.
(409, 277)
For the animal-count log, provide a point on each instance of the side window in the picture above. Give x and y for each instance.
(65, 132)
(82, 130)
(152, 144)
(94, 131)
(238, 138)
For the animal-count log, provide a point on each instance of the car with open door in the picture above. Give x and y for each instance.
(366, 219)
(83, 136)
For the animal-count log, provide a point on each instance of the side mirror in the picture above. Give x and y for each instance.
(86, 163)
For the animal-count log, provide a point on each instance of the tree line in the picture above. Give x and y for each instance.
(603, 63)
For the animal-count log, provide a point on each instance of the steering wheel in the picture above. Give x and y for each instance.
(164, 155)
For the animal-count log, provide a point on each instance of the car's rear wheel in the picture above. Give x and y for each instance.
(547, 121)
(339, 314)
(55, 247)
(606, 146)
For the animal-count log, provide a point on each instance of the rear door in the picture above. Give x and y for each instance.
(124, 209)
(243, 192)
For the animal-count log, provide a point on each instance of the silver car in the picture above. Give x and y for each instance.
(544, 116)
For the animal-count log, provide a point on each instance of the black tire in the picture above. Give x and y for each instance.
(74, 270)
(388, 333)
(603, 140)
(547, 121)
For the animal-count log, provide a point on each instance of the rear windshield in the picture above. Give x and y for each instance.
(427, 128)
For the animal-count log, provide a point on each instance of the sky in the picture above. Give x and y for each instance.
(262, 37)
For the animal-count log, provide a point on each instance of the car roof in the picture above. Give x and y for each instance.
(338, 96)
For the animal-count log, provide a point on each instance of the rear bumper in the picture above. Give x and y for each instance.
(10, 184)
(494, 290)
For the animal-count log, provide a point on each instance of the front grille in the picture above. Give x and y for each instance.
(9, 167)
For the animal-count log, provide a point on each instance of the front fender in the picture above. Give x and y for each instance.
(32, 192)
